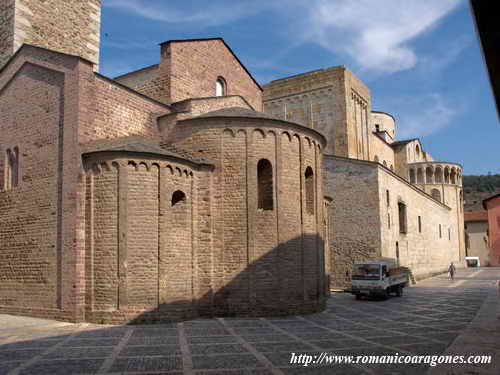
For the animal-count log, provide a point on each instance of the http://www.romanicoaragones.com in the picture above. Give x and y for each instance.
(324, 358)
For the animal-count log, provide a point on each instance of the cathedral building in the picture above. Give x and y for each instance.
(186, 189)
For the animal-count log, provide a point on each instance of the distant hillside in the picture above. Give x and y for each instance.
(477, 188)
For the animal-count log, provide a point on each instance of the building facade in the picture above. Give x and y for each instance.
(389, 198)
(183, 189)
(492, 206)
(476, 236)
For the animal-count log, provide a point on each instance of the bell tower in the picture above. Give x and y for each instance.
(68, 26)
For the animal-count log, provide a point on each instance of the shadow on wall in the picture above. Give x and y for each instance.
(289, 279)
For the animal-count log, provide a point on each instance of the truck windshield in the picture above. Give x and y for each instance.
(366, 272)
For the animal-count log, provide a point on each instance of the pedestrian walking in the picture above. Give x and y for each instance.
(451, 271)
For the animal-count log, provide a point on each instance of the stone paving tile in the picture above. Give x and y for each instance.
(339, 344)
(45, 344)
(143, 351)
(258, 371)
(423, 348)
(206, 332)
(77, 353)
(212, 339)
(102, 333)
(325, 370)
(77, 342)
(151, 332)
(146, 364)
(155, 340)
(202, 349)
(296, 346)
(225, 361)
(19, 355)
(6, 367)
(267, 338)
(255, 331)
(65, 367)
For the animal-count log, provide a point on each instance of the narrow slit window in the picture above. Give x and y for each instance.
(265, 184)
(419, 224)
(309, 179)
(402, 217)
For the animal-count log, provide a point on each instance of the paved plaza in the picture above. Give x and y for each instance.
(436, 316)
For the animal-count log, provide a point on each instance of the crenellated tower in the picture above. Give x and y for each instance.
(71, 27)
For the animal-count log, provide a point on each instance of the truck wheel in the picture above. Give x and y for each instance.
(385, 294)
(399, 291)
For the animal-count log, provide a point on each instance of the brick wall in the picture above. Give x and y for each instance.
(141, 249)
(39, 215)
(7, 11)
(112, 111)
(195, 66)
(493, 207)
(148, 81)
(76, 32)
(257, 271)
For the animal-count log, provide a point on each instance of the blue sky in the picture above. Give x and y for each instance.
(420, 58)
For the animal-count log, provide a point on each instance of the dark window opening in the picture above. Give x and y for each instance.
(309, 180)
(449, 234)
(265, 184)
(419, 224)
(402, 218)
(11, 169)
(440, 232)
(178, 197)
(388, 197)
(377, 128)
(389, 220)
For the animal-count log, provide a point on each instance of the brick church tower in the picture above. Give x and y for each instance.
(68, 26)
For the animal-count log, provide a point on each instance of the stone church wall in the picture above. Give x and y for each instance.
(354, 216)
(76, 31)
(267, 261)
(141, 242)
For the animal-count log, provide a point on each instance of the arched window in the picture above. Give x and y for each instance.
(436, 194)
(420, 176)
(417, 151)
(178, 197)
(265, 184)
(453, 175)
(309, 180)
(429, 176)
(412, 176)
(438, 175)
(220, 87)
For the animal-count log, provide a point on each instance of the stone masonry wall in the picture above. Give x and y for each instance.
(113, 111)
(426, 251)
(7, 12)
(382, 151)
(140, 243)
(76, 31)
(194, 67)
(148, 81)
(354, 215)
(266, 261)
(39, 101)
(332, 101)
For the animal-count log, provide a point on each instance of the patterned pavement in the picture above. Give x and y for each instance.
(425, 321)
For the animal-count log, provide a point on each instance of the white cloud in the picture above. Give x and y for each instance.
(422, 115)
(212, 12)
(376, 34)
